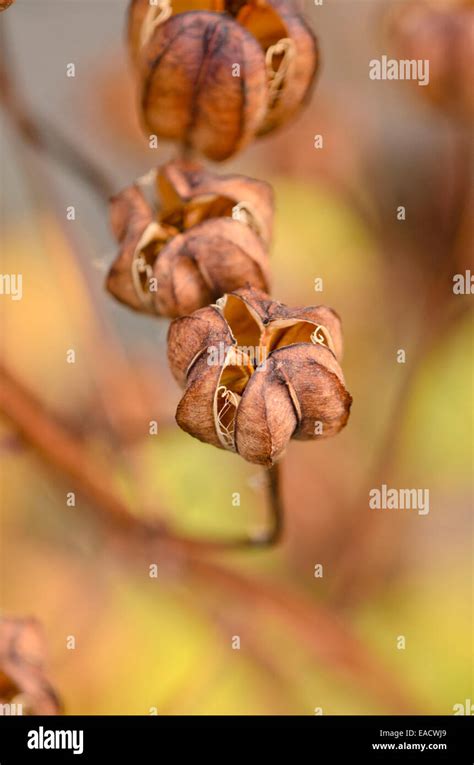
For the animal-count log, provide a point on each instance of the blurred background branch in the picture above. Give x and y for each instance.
(44, 136)
(330, 642)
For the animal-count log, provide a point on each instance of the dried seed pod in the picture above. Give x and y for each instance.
(22, 678)
(291, 54)
(257, 373)
(215, 74)
(4, 4)
(443, 34)
(188, 91)
(199, 236)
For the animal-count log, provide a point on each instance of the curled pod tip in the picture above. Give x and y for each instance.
(292, 57)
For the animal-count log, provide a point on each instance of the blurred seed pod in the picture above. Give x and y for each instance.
(4, 4)
(443, 33)
(23, 681)
(257, 373)
(215, 74)
(188, 238)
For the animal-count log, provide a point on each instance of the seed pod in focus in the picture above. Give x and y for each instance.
(214, 75)
(291, 55)
(441, 32)
(191, 238)
(257, 373)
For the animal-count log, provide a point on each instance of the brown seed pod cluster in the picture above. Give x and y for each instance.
(189, 237)
(442, 32)
(257, 373)
(22, 674)
(213, 74)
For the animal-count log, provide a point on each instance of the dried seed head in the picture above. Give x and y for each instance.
(22, 677)
(188, 238)
(257, 373)
(213, 74)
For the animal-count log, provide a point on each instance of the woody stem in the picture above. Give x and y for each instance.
(275, 504)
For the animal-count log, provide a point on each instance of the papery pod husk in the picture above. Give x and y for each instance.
(190, 336)
(266, 419)
(195, 412)
(197, 265)
(22, 668)
(191, 180)
(268, 310)
(130, 214)
(302, 385)
(273, 20)
(188, 92)
(299, 384)
(275, 83)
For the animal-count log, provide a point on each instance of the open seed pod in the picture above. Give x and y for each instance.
(442, 32)
(215, 73)
(257, 373)
(23, 681)
(188, 238)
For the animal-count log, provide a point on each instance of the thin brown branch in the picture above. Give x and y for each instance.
(62, 451)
